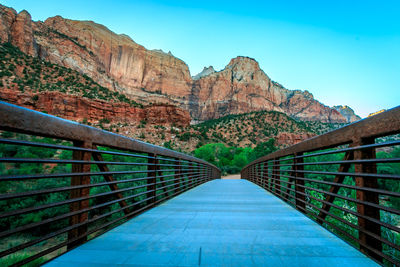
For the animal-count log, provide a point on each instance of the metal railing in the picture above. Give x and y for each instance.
(347, 180)
(63, 183)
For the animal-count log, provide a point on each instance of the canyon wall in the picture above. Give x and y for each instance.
(83, 109)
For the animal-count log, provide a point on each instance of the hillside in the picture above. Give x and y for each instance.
(242, 130)
(41, 85)
(20, 72)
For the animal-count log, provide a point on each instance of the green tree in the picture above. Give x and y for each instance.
(263, 149)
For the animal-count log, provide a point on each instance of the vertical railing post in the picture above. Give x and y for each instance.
(177, 176)
(206, 173)
(367, 196)
(79, 193)
(265, 174)
(182, 177)
(299, 183)
(203, 173)
(251, 173)
(273, 175)
(152, 179)
(277, 177)
(250, 178)
(258, 173)
(261, 173)
(190, 174)
(255, 173)
(257, 177)
(270, 174)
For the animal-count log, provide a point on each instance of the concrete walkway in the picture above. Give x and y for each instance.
(220, 223)
(232, 176)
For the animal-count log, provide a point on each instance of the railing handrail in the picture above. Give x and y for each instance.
(27, 121)
(382, 124)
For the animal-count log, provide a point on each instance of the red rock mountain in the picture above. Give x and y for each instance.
(151, 76)
(348, 113)
(243, 87)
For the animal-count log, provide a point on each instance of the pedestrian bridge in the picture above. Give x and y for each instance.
(219, 223)
(74, 195)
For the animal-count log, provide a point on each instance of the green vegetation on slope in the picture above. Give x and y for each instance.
(248, 129)
(242, 130)
(25, 73)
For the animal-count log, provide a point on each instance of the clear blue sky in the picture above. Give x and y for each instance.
(343, 52)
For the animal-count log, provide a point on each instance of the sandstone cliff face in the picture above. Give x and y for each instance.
(119, 64)
(115, 61)
(82, 109)
(17, 29)
(348, 113)
(7, 18)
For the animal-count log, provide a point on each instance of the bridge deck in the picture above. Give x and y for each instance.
(220, 223)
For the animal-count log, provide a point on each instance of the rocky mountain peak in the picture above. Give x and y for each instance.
(205, 72)
(25, 14)
(347, 112)
(16, 28)
(54, 20)
(304, 93)
(242, 63)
